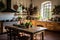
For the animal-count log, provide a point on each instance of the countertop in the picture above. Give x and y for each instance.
(50, 21)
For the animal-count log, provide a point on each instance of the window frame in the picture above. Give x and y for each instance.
(46, 10)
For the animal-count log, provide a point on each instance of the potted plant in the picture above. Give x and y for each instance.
(19, 17)
(28, 24)
(56, 10)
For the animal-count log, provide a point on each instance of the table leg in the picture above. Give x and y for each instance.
(42, 35)
(10, 35)
(31, 37)
(14, 37)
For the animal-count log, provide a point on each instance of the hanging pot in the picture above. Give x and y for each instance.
(2, 6)
(15, 7)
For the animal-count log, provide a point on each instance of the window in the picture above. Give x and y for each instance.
(46, 10)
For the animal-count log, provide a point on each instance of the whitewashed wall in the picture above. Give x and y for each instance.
(5, 16)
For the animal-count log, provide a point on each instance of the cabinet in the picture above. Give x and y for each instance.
(50, 25)
(54, 26)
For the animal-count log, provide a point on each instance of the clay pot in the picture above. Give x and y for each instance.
(15, 7)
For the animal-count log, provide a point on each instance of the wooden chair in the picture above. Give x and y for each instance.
(15, 34)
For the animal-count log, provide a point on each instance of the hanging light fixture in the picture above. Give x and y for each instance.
(32, 8)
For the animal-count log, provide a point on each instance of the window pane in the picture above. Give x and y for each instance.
(46, 10)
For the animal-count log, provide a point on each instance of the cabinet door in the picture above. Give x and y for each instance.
(57, 27)
(33, 22)
(50, 26)
(38, 23)
(41, 23)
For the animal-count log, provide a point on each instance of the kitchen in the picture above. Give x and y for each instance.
(9, 16)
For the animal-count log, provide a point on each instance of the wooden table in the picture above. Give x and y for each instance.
(30, 31)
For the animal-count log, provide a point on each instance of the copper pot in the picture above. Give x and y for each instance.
(15, 7)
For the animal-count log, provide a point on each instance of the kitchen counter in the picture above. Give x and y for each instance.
(49, 21)
(50, 25)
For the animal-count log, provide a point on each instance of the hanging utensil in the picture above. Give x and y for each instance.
(15, 6)
(2, 6)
